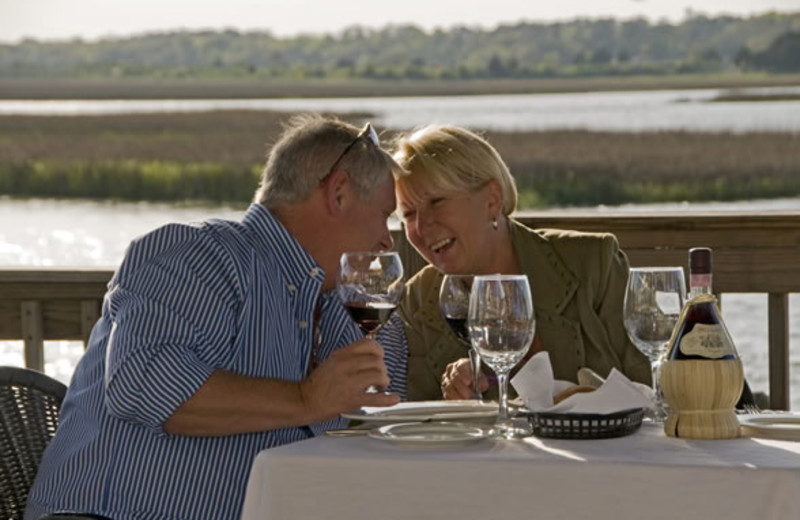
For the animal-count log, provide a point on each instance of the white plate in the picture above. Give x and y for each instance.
(784, 426)
(426, 411)
(434, 434)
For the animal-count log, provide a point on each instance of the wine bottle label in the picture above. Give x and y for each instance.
(708, 341)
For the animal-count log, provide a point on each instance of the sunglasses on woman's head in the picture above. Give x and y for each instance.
(368, 132)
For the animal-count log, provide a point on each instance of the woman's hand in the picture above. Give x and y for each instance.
(457, 380)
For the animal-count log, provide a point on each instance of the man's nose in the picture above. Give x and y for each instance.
(386, 242)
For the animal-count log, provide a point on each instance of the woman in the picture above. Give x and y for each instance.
(455, 202)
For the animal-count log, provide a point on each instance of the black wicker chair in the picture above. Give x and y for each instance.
(29, 406)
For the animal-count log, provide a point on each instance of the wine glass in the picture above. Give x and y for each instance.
(454, 306)
(370, 285)
(501, 327)
(653, 300)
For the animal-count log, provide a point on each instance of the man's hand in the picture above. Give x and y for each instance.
(457, 380)
(339, 384)
(230, 403)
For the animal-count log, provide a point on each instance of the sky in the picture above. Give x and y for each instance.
(93, 19)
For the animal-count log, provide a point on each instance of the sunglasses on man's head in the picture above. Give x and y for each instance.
(368, 132)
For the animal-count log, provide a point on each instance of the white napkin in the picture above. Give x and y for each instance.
(535, 384)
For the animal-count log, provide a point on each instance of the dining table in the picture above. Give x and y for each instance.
(643, 476)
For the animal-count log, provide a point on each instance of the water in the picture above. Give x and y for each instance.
(632, 111)
(40, 232)
(48, 233)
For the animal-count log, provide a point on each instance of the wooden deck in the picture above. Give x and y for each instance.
(753, 253)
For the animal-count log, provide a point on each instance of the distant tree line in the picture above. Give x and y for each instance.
(783, 55)
(581, 47)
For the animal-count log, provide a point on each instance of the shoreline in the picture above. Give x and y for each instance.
(139, 88)
(736, 97)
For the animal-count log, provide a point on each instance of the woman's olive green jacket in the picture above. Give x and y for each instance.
(578, 284)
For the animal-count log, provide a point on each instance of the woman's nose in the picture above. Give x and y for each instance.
(421, 219)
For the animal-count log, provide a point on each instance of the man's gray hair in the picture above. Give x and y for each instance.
(307, 150)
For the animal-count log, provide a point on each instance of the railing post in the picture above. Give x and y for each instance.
(778, 318)
(33, 334)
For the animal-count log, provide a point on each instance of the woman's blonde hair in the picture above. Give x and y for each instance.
(450, 158)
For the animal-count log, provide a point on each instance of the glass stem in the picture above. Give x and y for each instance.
(475, 370)
(373, 389)
(660, 413)
(502, 383)
(656, 368)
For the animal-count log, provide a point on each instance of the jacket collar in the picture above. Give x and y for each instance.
(552, 283)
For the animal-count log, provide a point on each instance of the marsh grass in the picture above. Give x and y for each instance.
(587, 168)
(218, 156)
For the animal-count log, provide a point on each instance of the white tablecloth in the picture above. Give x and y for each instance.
(644, 476)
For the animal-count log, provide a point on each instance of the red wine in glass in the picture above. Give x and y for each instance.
(370, 315)
(459, 328)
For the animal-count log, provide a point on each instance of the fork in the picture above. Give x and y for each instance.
(751, 409)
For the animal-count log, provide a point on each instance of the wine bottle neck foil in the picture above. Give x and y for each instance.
(699, 283)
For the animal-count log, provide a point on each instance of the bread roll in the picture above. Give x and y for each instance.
(588, 377)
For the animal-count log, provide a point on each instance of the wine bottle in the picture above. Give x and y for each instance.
(702, 378)
(700, 282)
(700, 333)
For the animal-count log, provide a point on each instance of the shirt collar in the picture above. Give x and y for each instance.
(296, 263)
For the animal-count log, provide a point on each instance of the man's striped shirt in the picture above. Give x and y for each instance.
(188, 300)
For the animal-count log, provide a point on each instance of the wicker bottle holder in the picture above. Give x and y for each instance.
(701, 389)
(701, 395)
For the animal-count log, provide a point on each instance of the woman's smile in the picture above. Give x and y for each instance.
(441, 245)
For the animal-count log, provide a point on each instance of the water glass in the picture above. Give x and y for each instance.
(501, 327)
(654, 297)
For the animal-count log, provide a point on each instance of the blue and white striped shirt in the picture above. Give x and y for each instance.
(188, 300)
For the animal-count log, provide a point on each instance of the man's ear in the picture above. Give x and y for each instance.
(337, 192)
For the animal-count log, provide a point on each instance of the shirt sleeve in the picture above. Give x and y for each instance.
(173, 319)
(393, 339)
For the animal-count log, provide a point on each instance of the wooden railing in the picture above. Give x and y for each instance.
(49, 304)
(753, 253)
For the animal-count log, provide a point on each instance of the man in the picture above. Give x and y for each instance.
(220, 339)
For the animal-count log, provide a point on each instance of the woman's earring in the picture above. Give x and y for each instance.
(494, 224)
